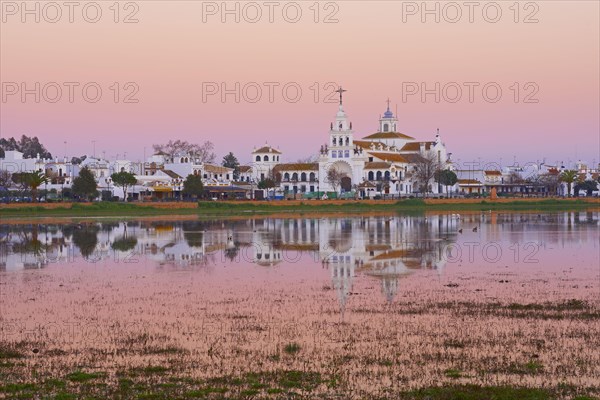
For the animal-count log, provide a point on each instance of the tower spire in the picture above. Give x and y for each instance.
(388, 104)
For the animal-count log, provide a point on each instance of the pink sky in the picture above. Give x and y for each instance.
(370, 51)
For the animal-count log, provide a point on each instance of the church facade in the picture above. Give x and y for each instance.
(385, 163)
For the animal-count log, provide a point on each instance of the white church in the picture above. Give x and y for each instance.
(379, 164)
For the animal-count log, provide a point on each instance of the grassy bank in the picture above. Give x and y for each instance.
(392, 206)
(263, 207)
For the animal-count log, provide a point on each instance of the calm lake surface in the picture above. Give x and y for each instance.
(230, 294)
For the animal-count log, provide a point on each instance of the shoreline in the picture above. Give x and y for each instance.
(291, 207)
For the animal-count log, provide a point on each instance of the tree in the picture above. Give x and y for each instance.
(569, 176)
(335, 177)
(193, 186)
(231, 161)
(78, 160)
(550, 181)
(589, 186)
(5, 178)
(85, 184)
(34, 180)
(20, 180)
(425, 167)
(29, 146)
(446, 178)
(267, 183)
(204, 152)
(123, 179)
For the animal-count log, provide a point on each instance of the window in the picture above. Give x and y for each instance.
(266, 158)
(371, 175)
(370, 159)
(303, 177)
(257, 158)
(387, 175)
(340, 153)
(346, 153)
(295, 176)
(286, 176)
(311, 177)
(262, 176)
(386, 127)
(347, 140)
(378, 175)
(333, 154)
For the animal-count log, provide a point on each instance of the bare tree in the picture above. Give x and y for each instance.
(204, 152)
(5, 178)
(335, 177)
(425, 168)
(548, 180)
(307, 160)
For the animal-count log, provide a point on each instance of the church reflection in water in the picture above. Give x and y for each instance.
(383, 247)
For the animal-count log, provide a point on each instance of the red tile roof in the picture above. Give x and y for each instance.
(266, 149)
(297, 167)
(377, 165)
(416, 146)
(389, 135)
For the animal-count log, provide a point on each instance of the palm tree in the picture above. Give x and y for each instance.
(34, 180)
(569, 176)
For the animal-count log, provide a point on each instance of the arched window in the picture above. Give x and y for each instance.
(333, 154)
(266, 158)
(347, 140)
(187, 160)
(387, 175)
(295, 176)
(257, 158)
(334, 141)
(340, 153)
(378, 175)
(386, 127)
(286, 176)
(303, 177)
(371, 175)
(311, 176)
(181, 160)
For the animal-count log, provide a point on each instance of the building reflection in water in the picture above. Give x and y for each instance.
(383, 247)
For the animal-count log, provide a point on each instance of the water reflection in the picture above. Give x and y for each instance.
(385, 248)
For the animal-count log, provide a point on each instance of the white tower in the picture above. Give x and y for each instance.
(263, 161)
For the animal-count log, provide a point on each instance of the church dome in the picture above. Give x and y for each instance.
(388, 114)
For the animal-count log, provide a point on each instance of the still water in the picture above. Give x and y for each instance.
(403, 296)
